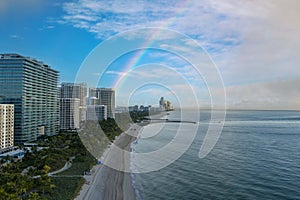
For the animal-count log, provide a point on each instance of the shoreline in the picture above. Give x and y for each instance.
(107, 183)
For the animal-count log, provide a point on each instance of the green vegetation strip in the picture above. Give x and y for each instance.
(65, 188)
(27, 178)
(56, 152)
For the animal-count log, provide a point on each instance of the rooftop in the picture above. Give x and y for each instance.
(18, 56)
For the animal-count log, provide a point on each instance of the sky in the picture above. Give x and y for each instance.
(190, 52)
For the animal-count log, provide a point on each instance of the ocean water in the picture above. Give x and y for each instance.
(256, 157)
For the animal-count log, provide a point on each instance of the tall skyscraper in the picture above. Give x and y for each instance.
(69, 113)
(76, 90)
(162, 103)
(32, 87)
(6, 126)
(96, 112)
(105, 96)
(165, 105)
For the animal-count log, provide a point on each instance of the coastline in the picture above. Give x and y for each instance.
(107, 183)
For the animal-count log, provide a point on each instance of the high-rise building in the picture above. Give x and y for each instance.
(105, 96)
(93, 101)
(32, 87)
(165, 105)
(162, 103)
(75, 90)
(96, 112)
(169, 106)
(6, 126)
(69, 113)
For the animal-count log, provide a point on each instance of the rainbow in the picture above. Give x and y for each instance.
(148, 43)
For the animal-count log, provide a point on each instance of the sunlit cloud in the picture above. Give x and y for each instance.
(253, 43)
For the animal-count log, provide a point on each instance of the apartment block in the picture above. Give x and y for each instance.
(6, 126)
(31, 86)
(96, 112)
(104, 96)
(76, 90)
(69, 113)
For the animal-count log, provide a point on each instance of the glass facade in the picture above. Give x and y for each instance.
(32, 87)
(69, 113)
(96, 113)
(104, 96)
(75, 90)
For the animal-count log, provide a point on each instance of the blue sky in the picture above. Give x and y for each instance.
(254, 45)
(31, 29)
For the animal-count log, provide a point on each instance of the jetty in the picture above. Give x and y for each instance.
(167, 121)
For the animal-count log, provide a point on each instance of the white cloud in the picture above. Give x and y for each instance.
(16, 37)
(280, 94)
(153, 72)
(117, 73)
(251, 41)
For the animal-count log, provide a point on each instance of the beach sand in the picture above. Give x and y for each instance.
(111, 184)
(114, 184)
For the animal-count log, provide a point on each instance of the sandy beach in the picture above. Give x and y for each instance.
(114, 184)
(111, 184)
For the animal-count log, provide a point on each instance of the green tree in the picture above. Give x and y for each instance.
(3, 194)
(14, 186)
(45, 180)
(34, 196)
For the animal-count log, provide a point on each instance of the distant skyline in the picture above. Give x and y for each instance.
(255, 45)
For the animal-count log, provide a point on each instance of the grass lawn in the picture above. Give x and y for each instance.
(80, 164)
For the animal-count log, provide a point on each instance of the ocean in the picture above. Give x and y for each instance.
(256, 157)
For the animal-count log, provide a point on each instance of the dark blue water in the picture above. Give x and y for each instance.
(256, 157)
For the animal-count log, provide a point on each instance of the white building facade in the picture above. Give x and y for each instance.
(6, 126)
(69, 113)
